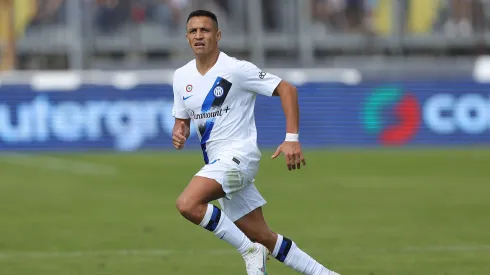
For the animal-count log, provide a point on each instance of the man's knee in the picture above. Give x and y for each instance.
(193, 202)
(189, 209)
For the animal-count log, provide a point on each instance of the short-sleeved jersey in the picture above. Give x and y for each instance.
(221, 104)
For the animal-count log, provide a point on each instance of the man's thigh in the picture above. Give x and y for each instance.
(227, 173)
(213, 181)
(202, 190)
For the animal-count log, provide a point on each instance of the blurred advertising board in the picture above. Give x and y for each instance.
(333, 114)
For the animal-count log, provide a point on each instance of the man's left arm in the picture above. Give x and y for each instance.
(253, 79)
(289, 101)
(291, 147)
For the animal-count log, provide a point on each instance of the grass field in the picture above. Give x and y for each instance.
(371, 212)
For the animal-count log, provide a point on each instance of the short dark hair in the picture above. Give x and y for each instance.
(204, 13)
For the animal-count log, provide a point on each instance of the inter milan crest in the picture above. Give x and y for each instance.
(218, 91)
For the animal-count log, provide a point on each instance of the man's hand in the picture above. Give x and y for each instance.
(179, 135)
(293, 154)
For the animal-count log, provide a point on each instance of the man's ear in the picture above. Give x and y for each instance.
(218, 35)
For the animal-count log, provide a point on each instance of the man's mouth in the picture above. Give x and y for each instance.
(199, 44)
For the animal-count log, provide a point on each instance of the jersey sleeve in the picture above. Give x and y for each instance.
(253, 79)
(178, 109)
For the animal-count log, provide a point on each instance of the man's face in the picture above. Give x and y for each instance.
(202, 35)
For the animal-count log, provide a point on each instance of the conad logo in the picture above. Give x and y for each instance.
(467, 113)
(127, 123)
(386, 103)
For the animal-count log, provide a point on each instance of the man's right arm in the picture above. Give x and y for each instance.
(185, 127)
(180, 133)
(181, 130)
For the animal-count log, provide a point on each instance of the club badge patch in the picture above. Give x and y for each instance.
(218, 91)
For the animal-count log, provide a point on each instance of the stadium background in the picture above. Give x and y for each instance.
(395, 118)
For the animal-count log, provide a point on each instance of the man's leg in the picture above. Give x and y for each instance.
(281, 248)
(194, 205)
(255, 227)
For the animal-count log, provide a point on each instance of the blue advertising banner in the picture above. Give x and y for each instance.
(99, 117)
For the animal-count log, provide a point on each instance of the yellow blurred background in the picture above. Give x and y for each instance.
(417, 17)
(15, 15)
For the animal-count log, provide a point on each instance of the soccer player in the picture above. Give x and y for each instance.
(217, 93)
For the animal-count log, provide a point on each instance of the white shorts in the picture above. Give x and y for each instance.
(237, 180)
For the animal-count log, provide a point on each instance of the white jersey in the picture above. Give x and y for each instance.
(221, 105)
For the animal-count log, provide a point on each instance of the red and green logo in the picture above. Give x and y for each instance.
(392, 114)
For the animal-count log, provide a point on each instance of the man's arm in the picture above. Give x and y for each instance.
(180, 132)
(289, 100)
(187, 126)
(255, 80)
(291, 147)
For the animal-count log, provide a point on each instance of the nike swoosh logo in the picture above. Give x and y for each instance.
(186, 97)
(214, 161)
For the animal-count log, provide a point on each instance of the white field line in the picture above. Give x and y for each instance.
(448, 248)
(5, 255)
(59, 164)
(106, 253)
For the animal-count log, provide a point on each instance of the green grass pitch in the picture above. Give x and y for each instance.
(368, 212)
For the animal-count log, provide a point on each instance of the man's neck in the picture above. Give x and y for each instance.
(206, 62)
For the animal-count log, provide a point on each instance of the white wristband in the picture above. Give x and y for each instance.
(292, 137)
